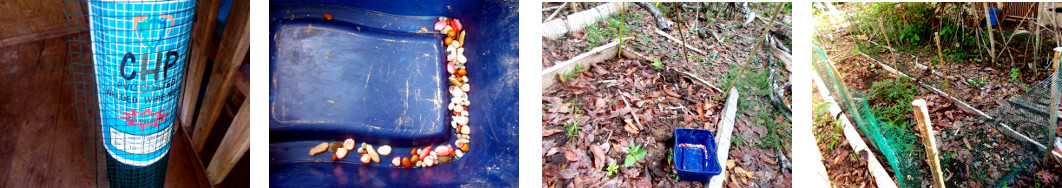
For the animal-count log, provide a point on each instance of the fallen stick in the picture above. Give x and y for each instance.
(676, 40)
(700, 81)
(921, 114)
(556, 11)
(786, 59)
(555, 7)
(661, 21)
(632, 111)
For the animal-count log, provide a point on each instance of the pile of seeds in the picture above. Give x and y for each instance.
(459, 88)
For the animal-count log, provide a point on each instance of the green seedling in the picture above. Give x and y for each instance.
(573, 128)
(634, 154)
(570, 75)
(657, 64)
(612, 168)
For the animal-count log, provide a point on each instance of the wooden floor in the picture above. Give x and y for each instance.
(40, 143)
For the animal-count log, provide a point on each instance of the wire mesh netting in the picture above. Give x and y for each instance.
(127, 59)
(998, 143)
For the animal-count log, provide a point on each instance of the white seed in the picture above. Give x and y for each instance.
(461, 58)
(456, 44)
(385, 150)
(349, 144)
(442, 18)
(465, 88)
(465, 130)
(341, 153)
(465, 79)
(453, 124)
(462, 120)
(365, 159)
(461, 50)
(459, 153)
(397, 161)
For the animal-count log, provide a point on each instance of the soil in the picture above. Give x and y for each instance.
(605, 97)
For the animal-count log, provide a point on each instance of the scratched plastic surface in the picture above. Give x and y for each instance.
(374, 75)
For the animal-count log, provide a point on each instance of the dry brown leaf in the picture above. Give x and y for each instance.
(548, 132)
(571, 156)
(599, 155)
(630, 128)
(730, 163)
(740, 171)
(671, 93)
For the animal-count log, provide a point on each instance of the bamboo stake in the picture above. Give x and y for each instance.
(887, 43)
(681, 22)
(926, 127)
(755, 48)
(936, 37)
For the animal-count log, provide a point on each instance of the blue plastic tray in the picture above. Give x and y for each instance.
(694, 164)
(376, 73)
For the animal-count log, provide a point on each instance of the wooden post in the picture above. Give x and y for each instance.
(926, 127)
(232, 147)
(206, 12)
(1054, 106)
(991, 34)
(235, 42)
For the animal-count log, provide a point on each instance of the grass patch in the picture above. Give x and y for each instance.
(754, 90)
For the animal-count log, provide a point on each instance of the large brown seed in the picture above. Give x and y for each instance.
(406, 163)
(334, 145)
(448, 40)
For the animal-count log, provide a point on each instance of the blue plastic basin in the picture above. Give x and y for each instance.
(694, 164)
(376, 73)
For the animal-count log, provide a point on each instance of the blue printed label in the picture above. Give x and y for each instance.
(139, 50)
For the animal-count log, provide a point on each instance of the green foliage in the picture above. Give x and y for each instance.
(570, 75)
(634, 153)
(822, 118)
(657, 64)
(1015, 74)
(573, 128)
(905, 23)
(976, 82)
(612, 168)
(891, 100)
(611, 28)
